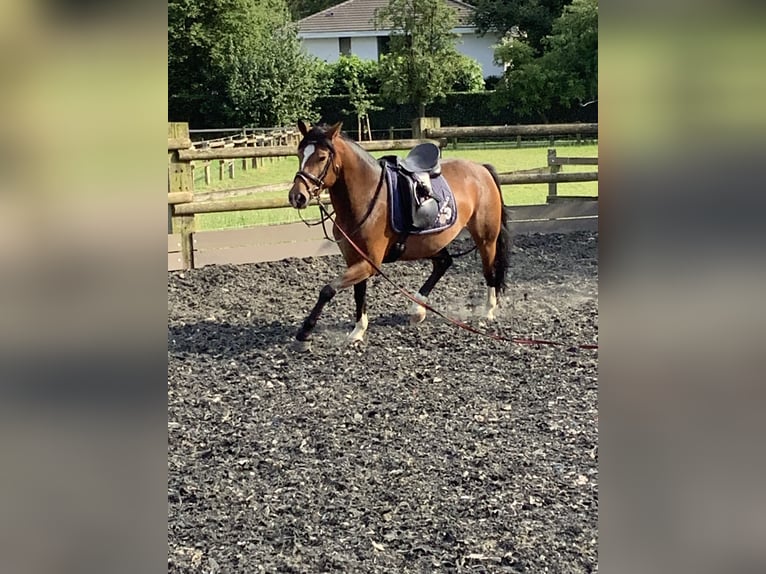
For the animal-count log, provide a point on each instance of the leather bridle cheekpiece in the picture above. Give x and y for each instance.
(310, 179)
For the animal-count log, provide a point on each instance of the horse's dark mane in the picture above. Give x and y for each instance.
(360, 151)
(318, 136)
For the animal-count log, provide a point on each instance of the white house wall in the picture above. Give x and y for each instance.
(323, 48)
(481, 50)
(366, 47)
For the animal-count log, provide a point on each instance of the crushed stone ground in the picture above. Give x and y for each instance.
(424, 449)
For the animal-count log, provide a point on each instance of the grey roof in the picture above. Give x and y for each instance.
(357, 15)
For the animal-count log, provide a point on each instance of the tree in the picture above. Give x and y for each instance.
(353, 68)
(533, 18)
(354, 76)
(236, 62)
(468, 76)
(422, 62)
(572, 49)
(194, 27)
(566, 72)
(270, 82)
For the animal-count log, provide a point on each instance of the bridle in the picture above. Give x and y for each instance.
(317, 181)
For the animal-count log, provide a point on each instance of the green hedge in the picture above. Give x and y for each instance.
(456, 109)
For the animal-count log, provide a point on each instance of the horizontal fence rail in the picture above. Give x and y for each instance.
(236, 152)
(527, 130)
(287, 151)
(239, 204)
(241, 191)
(255, 203)
(520, 178)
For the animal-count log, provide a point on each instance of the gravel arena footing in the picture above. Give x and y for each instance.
(422, 449)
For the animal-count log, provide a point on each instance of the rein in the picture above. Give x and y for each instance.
(456, 322)
(319, 185)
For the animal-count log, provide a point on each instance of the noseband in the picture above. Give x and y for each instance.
(317, 182)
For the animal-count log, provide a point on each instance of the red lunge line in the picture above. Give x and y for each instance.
(456, 322)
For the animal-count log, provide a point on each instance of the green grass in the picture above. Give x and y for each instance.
(280, 170)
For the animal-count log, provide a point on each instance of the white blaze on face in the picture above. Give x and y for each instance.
(308, 151)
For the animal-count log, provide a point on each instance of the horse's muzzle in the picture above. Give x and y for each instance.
(299, 198)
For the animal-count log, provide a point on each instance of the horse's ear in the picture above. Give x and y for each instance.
(303, 127)
(333, 132)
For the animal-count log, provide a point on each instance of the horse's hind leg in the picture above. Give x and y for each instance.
(488, 253)
(441, 262)
(360, 298)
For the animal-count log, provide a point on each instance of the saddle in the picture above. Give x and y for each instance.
(420, 199)
(417, 170)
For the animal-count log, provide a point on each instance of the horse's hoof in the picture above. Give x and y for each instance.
(355, 336)
(417, 312)
(301, 346)
(417, 318)
(491, 315)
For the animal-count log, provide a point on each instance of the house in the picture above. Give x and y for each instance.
(348, 28)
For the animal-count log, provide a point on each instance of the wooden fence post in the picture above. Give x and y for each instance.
(554, 167)
(180, 179)
(420, 126)
(207, 173)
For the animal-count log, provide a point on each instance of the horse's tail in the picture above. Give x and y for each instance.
(504, 238)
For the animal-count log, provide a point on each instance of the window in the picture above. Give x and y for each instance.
(344, 46)
(384, 45)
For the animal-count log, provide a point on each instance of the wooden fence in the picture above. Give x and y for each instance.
(508, 131)
(242, 137)
(518, 132)
(188, 248)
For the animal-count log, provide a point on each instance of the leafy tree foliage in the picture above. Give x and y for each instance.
(355, 77)
(468, 75)
(423, 61)
(353, 70)
(534, 18)
(566, 72)
(236, 62)
(573, 50)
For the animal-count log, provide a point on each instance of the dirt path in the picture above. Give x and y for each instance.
(426, 449)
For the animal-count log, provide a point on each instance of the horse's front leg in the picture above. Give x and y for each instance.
(441, 262)
(353, 275)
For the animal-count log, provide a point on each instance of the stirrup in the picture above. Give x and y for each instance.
(425, 213)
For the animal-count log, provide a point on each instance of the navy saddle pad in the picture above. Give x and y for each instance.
(400, 203)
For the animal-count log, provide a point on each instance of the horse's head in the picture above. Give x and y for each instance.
(317, 156)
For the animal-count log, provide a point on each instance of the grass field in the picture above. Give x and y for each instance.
(280, 170)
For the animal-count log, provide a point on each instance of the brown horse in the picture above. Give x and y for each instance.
(328, 160)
